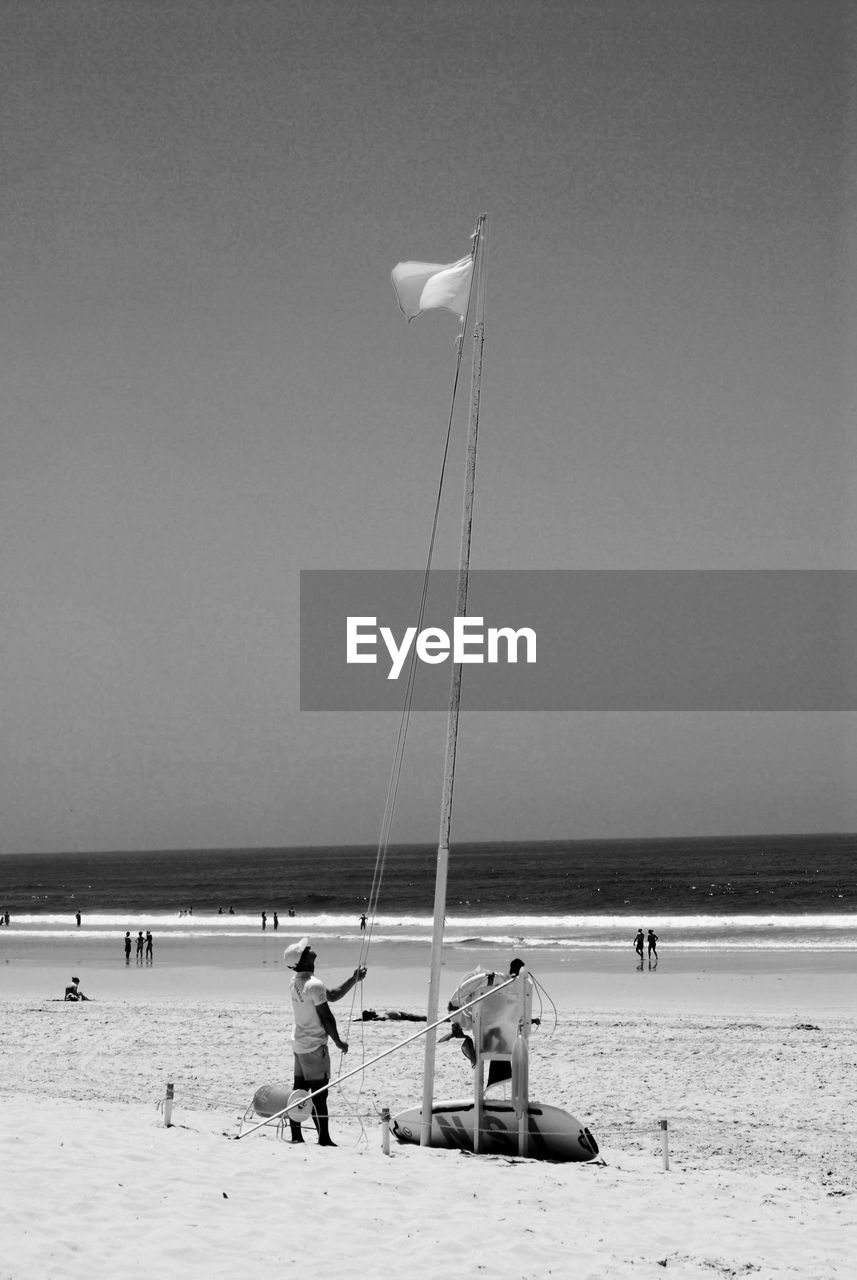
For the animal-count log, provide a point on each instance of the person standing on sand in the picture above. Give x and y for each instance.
(264, 920)
(77, 918)
(276, 921)
(363, 923)
(638, 945)
(313, 1024)
(140, 945)
(128, 946)
(149, 942)
(652, 944)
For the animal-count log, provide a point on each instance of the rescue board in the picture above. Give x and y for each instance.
(552, 1134)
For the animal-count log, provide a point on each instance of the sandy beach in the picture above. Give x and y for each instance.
(756, 1073)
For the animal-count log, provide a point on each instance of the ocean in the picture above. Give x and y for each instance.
(745, 893)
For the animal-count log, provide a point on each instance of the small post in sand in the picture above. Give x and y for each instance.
(665, 1142)
(385, 1130)
(168, 1106)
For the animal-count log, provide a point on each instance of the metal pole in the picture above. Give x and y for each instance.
(478, 1083)
(480, 251)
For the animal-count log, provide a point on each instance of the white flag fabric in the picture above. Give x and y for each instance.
(423, 286)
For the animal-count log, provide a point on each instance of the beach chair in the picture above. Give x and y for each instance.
(501, 1030)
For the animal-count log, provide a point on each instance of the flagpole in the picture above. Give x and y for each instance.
(480, 249)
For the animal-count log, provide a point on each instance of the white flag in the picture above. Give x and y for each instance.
(422, 286)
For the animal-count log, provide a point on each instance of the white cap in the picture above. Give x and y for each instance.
(293, 953)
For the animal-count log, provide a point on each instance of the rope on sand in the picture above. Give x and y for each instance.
(380, 1115)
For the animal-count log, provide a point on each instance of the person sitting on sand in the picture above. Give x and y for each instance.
(72, 992)
(313, 1023)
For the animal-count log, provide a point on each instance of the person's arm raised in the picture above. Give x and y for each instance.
(336, 993)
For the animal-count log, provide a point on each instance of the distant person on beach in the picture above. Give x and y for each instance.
(140, 945)
(264, 919)
(276, 921)
(128, 946)
(292, 912)
(6, 919)
(231, 911)
(652, 944)
(313, 1024)
(363, 923)
(77, 918)
(220, 911)
(149, 943)
(72, 992)
(638, 945)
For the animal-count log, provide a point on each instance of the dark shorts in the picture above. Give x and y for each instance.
(313, 1066)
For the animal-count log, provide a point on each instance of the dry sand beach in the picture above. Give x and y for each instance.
(756, 1074)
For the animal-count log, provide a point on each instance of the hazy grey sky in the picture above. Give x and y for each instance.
(208, 386)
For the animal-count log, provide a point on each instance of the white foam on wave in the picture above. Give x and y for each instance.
(591, 940)
(516, 925)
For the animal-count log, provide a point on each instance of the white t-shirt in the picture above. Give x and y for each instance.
(307, 991)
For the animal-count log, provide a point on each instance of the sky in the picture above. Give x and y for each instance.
(207, 387)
